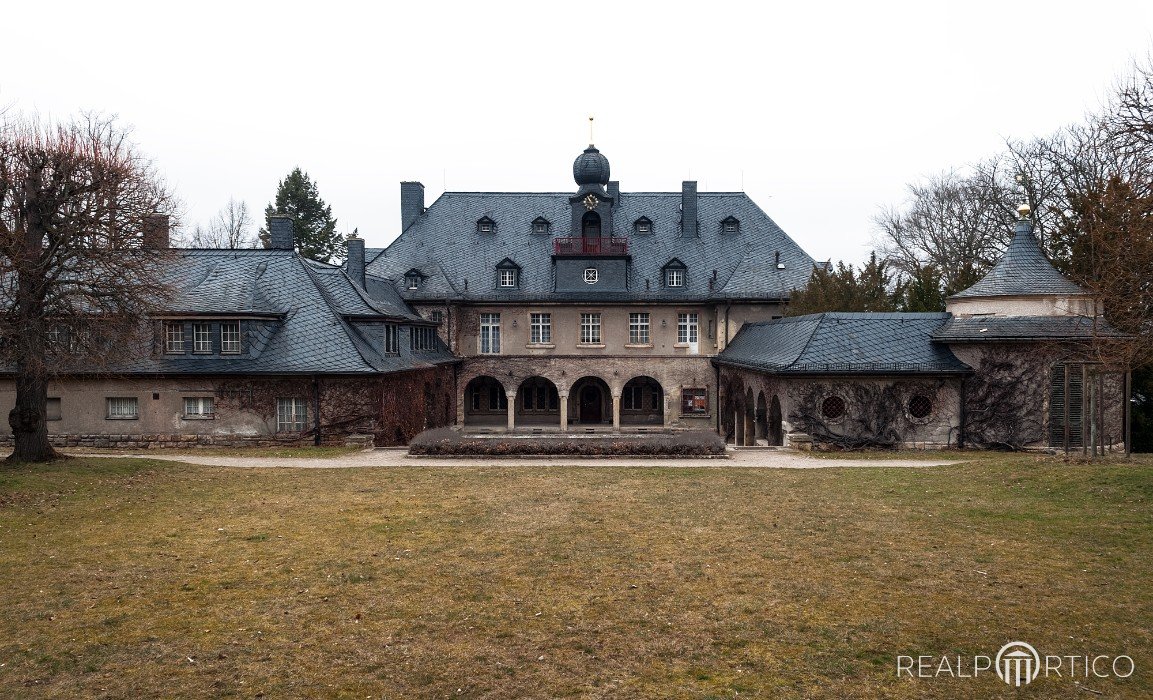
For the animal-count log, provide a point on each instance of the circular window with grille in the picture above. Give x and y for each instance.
(920, 406)
(832, 408)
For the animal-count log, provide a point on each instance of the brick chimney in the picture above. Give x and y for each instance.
(411, 203)
(280, 236)
(355, 264)
(155, 232)
(689, 208)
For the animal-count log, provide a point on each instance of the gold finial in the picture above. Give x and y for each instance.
(1023, 210)
(591, 141)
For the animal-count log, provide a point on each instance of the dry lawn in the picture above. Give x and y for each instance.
(130, 578)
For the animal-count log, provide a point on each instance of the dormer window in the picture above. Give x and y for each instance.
(540, 225)
(643, 225)
(507, 274)
(485, 225)
(674, 273)
(413, 279)
(731, 225)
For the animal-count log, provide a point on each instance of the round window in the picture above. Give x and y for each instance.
(920, 406)
(591, 275)
(833, 407)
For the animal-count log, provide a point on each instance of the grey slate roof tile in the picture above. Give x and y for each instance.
(844, 343)
(982, 328)
(1022, 270)
(445, 246)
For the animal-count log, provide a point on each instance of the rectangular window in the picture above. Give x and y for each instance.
(686, 328)
(199, 407)
(437, 316)
(230, 337)
(490, 334)
(590, 329)
(508, 278)
(695, 402)
(675, 278)
(291, 415)
(639, 329)
(540, 326)
(423, 338)
(174, 336)
(125, 408)
(633, 398)
(52, 409)
(391, 339)
(55, 337)
(201, 338)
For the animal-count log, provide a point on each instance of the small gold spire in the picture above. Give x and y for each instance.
(1023, 210)
(591, 141)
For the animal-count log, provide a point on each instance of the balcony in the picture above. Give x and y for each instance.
(590, 246)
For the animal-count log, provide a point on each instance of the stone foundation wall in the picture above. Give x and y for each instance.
(156, 441)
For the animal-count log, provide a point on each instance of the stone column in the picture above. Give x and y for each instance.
(738, 427)
(616, 412)
(511, 409)
(563, 411)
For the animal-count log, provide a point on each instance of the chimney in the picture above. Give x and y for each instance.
(280, 236)
(615, 191)
(154, 232)
(689, 208)
(355, 265)
(411, 203)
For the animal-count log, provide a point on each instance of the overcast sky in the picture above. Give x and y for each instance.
(822, 112)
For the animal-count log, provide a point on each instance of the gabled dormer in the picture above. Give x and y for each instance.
(485, 225)
(674, 274)
(507, 274)
(643, 225)
(730, 224)
(541, 226)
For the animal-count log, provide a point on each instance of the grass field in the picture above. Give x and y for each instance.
(129, 578)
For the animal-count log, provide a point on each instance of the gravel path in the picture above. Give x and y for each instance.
(770, 459)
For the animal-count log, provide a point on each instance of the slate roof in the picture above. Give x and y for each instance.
(1022, 271)
(993, 328)
(444, 245)
(304, 317)
(844, 343)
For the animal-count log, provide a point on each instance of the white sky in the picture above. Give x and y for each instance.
(824, 112)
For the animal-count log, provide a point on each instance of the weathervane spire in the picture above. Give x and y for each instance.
(591, 140)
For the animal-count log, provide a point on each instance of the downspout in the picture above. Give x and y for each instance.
(316, 409)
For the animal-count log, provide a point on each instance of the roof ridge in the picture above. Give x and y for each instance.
(330, 304)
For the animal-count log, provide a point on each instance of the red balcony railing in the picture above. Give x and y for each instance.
(590, 246)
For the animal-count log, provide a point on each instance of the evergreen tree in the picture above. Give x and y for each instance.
(921, 291)
(841, 288)
(314, 227)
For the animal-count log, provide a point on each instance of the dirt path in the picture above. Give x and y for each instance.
(764, 459)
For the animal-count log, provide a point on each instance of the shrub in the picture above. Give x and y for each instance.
(449, 442)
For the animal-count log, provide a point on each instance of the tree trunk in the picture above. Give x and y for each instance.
(27, 418)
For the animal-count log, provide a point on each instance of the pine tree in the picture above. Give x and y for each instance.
(315, 229)
(841, 288)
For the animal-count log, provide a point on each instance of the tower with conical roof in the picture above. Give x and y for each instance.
(1023, 283)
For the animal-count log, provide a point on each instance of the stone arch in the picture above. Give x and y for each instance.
(643, 402)
(538, 402)
(485, 401)
(590, 401)
(776, 430)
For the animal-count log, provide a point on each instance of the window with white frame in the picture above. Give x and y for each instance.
(639, 328)
(508, 277)
(123, 408)
(201, 338)
(490, 334)
(540, 328)
(687, 328)
(291, 415)
(199, 407)
(674, 277)
(590, 329)
(230, 337)
(391, 339)
(173, 336)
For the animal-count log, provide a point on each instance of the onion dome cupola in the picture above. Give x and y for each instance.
(591, 168)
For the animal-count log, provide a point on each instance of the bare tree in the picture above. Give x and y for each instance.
(230, 228)
(78, 204)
